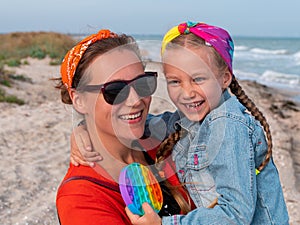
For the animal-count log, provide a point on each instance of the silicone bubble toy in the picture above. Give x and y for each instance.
(139, 185)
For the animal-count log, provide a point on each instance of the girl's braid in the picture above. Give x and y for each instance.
(237, 90)
(166, 148)
(163, 152)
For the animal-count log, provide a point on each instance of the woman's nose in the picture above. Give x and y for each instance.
(133, 97)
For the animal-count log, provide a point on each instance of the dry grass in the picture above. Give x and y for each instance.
(15, 46)
(19, 45)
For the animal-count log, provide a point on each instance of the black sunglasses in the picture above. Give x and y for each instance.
(116, 92)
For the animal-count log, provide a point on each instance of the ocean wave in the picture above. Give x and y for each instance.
(271, 78)
(282, 78)
(246, 75)
(297, 58)
(241, 48)
(297, 54)
(267, 51)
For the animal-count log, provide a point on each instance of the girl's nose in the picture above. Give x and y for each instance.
(188, 91)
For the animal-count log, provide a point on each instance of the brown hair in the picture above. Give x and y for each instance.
(166, 147)
(163, 152)
(96, 49)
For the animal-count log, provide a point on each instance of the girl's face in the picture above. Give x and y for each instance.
(194, 82)
(126, 120)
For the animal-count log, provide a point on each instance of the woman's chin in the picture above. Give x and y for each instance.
(130, 134)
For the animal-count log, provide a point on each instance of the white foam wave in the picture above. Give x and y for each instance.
(246, 75)
(282, 78)
(271, 78)
(297, 55)
(297, 58)
(241, 48)
(267, 51)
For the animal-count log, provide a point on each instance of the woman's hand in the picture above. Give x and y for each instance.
(150, 217)
(81, 148)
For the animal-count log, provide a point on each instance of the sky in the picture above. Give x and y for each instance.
(270, 18)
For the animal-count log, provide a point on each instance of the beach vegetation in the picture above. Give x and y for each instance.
(16, 47)
(4, 78)
(5, 83)
(7, 79)
(20, 78)
(25, 62)
(19, 45)
(37, 52)
(13, 62)
(10, 98)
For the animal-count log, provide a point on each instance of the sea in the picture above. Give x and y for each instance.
(270, 61)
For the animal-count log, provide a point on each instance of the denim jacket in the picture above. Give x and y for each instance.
(217, 159)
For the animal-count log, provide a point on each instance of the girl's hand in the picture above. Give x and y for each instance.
(81, 150)
(150, 217)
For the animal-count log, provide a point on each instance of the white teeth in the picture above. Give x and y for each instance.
(194, 105)
(131, 116)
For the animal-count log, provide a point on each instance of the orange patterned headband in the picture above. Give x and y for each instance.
(72, 58)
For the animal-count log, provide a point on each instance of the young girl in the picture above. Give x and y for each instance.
(228, 157)
(219, 149)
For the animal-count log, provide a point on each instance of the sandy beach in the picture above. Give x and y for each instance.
(34, 142)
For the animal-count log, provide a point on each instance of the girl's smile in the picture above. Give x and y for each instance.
(194, 106)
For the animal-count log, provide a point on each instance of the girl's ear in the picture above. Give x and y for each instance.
(227, 77)
(78, 101)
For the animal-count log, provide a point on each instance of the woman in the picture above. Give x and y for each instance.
(104, 79)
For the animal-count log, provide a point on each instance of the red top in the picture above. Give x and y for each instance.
(85, 202)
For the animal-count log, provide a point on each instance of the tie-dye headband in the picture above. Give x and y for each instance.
(72, 58)
(213, 36)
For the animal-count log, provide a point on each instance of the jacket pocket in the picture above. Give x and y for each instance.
(198, 178)
(197, 157)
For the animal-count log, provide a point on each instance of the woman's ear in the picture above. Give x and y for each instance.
(78, 101)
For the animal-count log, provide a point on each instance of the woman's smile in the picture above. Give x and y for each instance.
(132, 117)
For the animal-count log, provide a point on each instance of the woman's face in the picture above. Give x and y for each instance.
(125, 120)
(194, 82)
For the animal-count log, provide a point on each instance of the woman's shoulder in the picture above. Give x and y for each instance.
(87, 181)
(84, 195)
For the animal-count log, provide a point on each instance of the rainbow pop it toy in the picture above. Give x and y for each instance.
(139, 185)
